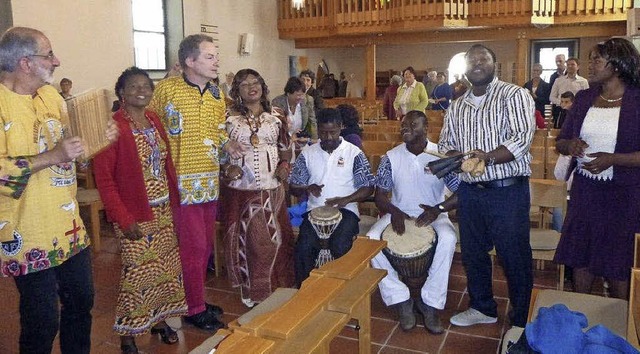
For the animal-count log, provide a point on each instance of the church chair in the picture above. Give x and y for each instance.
(547, 195)
(88, 197)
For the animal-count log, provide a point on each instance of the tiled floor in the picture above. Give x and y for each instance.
(387, 337)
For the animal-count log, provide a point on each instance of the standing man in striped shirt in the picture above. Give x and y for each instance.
(496, 121)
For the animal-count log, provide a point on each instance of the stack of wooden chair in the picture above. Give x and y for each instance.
(543, 152)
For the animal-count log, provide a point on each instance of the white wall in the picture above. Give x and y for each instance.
(270, 55)
(93, 39)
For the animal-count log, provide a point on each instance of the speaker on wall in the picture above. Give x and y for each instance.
(246, 43)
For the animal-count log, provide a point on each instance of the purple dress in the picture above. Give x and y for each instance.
(603, 216)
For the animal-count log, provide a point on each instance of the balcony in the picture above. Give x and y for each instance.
(343, 18)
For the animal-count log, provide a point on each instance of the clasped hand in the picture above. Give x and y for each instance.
(577, 147)
(133, 233)
(601, 162)
(235, 149)
(233, 172)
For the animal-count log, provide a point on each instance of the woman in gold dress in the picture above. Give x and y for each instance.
(137, 184)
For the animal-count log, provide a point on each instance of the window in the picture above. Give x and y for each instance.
(149, 38)
(457, 67)
(544, 52)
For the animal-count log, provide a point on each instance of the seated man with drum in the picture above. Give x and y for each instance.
(413, 216)
(336, 175)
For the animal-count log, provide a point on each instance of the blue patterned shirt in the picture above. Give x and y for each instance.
(362, 176)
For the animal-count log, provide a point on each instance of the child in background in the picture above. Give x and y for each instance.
(566, 101)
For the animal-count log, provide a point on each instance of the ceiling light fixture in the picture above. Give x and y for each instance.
(297, 4)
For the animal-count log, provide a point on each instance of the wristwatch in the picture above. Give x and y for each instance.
(441, 208)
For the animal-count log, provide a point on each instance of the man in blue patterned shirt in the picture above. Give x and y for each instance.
(332, 172)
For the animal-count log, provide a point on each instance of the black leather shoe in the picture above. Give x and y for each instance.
(215, 310)
(405, 314)
(205, 320)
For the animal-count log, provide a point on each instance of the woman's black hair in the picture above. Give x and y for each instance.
(129, 73)
(623, 58)
(349, 119)
(409, 69)
(294, 84)
(234, 93)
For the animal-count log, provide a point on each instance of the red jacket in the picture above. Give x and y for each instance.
(119, 178)
(539, 120)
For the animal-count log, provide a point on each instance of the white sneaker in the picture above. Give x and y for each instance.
(471, 317)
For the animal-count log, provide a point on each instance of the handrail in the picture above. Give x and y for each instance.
(337, 15)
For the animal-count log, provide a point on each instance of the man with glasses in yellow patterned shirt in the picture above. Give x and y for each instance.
(43, 242)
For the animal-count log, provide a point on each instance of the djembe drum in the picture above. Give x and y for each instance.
(324, 220)
(411, 253)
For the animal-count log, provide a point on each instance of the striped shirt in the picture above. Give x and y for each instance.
(504, 116)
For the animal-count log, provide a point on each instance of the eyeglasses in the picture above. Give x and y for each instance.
(49, 56)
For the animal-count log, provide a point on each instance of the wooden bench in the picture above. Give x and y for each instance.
(334, 294)
(234, 343)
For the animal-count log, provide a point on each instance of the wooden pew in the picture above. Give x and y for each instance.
(242, 343)
(335, 293)
(633, 322)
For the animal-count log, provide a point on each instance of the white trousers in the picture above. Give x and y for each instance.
(434, 290)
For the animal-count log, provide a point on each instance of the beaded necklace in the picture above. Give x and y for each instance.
(151, 141)
(611, 100)
(254, 138)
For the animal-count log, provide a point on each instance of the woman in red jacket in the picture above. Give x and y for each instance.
(137, 183)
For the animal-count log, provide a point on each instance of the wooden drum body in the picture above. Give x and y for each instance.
(324, 220)
(411, 253)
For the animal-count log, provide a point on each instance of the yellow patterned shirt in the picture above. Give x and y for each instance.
(195, 125)
(40, 225)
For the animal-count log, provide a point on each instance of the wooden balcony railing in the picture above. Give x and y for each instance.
(327, 17)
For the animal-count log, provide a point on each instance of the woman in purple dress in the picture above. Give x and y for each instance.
(601, 132)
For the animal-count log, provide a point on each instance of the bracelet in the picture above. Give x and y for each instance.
(491, 161)
(284, 162)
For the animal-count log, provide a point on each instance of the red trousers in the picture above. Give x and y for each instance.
(196, 225)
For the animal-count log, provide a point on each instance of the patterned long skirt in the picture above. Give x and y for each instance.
(258, 242)
(151, 288)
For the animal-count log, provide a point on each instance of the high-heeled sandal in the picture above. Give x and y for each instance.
(167, 334)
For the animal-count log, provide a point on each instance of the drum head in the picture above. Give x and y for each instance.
(324, 213)
(413, 242)
(411, 253)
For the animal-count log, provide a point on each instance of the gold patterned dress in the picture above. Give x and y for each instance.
(151, 280)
